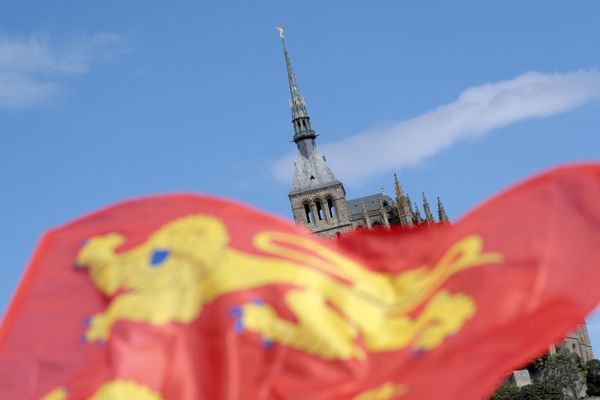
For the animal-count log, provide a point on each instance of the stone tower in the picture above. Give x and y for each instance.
(317, 197)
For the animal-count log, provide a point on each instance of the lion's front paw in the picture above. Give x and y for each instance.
(99, 328)
(257, 317)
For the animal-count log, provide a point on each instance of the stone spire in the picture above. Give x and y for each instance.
(315, 188)
(300, 118)
(409, 202)
(398, 190)
(382, 211)
(402, 203)
(428, 214)
(310, 169)
(441, 212)
(366, 216)
(417, 215)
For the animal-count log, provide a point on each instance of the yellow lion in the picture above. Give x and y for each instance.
(188, 263)
(116, 389)
(119, 389)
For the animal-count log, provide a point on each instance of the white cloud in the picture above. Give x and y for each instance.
(477, 111)
(31, 69)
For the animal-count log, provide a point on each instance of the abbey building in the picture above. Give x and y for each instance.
(319, 202)
(318, 198)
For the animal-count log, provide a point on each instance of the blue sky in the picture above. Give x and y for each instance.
(102, 101)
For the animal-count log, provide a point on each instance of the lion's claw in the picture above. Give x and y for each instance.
(267, 343)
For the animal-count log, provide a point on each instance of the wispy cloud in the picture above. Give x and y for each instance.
(32, 69)
(477, 111)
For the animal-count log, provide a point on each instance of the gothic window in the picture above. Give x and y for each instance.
(331, 207)
(319, 210)
(308, 213)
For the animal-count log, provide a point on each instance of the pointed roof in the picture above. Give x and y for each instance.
(296, 100)
(417, 214)
(310, 169)
(428, 214)
(311, 172)
(441, 211)
(366, 215)
(371, 203)
(398, 188)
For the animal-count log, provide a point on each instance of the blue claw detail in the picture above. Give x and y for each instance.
(267, 343)
(420, 353)
(87, 321)
(258, 301)
(238, 325)
(83, 339)
(235, 311)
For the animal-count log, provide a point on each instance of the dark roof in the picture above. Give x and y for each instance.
(371, 203)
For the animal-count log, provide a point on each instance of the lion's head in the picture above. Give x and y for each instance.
(179, 253)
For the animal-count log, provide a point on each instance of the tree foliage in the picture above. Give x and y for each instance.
(535, 391)
(592, 377)
(536, 367)
(564, 370)
(541, 391)
(506, 392)
(558, 376)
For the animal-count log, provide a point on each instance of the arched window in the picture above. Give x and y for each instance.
(331, 207)
(308, 213)
(319, 210)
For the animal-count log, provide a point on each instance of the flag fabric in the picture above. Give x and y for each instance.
(185, 297)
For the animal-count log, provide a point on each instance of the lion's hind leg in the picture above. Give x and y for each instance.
(443, 316)
(320, 330)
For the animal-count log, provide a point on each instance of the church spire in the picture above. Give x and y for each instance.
(366, 216)
(402, 204)
(417, 215)
(428, 214)
(300, 118)
(398, 188)
(441, 211)
(310, 168)
(314, 186)
(384, 216)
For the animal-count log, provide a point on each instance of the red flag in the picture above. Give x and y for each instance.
(190, 297)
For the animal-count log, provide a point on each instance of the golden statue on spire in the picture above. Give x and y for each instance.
(280, 30)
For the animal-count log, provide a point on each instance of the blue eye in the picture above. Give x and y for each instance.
(158, 257)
